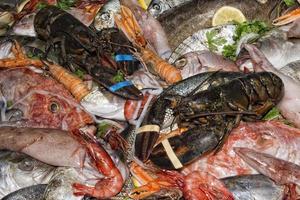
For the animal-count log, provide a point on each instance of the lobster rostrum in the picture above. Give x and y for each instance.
(81, 48)
(206, 107)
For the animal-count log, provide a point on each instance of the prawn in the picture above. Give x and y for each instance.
(128, 24)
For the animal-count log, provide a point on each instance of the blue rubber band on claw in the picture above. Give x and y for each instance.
(124, 57)
(120, 85)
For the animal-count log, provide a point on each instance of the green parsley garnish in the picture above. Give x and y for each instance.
(102, 129)
(213, 41)
(41, 5)
(65, 4)
(119, 77)
(242, 29)
(289, 3)
(274, 113)
(79, 73)
(9, 103)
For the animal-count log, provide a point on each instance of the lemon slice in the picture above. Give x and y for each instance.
(227, 14)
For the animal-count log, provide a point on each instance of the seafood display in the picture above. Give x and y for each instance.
(149, 99)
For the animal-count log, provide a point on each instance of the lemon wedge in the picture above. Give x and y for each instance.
(143, 4)
(227, 14)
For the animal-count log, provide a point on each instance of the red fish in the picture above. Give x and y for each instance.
(44, 102)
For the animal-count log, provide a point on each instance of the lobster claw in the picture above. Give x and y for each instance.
(183, 148)
(148, 133)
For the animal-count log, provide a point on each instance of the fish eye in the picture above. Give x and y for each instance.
(156, 6)
(180, 63)
(105, 16)
(54, 107)
(26, 166)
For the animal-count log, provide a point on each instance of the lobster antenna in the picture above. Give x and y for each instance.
(222, 113)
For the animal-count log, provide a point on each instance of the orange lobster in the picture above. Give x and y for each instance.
(128, 24)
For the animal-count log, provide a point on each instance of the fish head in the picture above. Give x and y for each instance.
(44, 102)
(56, 111)
(24, 169)
(189, 64)
(105, 16)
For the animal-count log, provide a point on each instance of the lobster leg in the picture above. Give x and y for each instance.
(104, 188)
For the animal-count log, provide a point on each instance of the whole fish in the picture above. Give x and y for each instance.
(197, 62)
(18, 170)
(271, 137)
(254, 187)
(51, 146)
(34, 192)
(181, 22)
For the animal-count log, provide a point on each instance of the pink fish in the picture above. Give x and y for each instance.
(273, 137)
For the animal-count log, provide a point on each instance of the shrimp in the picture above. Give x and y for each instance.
(107, 187)
(155, 182)
(74, 84)
(194, 186)
(128, 24)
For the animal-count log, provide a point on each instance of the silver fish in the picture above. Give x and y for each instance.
(254, 187)
(19, 170)
(158, 7)
(60, 186)
(279, 50)
(292, 70)
(105, 16)
(197, 62)
(198, 41)
(181, 22)
(34, 192)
